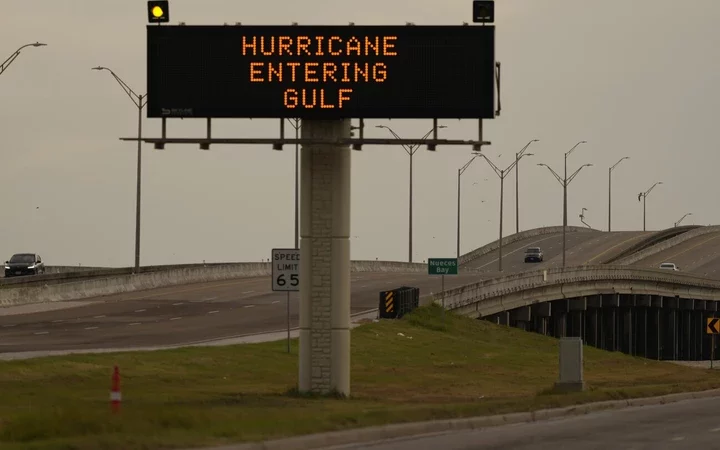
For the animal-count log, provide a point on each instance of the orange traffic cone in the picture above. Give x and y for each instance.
(115, 396)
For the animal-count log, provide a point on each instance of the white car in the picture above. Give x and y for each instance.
(669, 266)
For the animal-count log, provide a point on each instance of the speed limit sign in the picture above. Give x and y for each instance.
(285, 269)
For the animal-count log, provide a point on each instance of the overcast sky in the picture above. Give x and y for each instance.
(638, 78)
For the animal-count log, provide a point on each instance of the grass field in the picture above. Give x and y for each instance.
(216, 395)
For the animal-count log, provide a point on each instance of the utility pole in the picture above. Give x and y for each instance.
(643, 196)
(139, 101)
(501, 173)
(517, 183)
(564, 182)
(410, 149)
(610, 192)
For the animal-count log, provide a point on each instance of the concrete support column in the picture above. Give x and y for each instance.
(324, 363)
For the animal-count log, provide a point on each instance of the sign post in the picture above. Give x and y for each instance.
(442, 267)
(713, 329)
(286, 276)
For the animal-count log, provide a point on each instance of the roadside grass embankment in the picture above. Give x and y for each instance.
(415, 369)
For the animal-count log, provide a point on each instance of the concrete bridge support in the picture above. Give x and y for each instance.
(650, 326)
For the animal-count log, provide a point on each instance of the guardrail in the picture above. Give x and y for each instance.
(492, 246)
(523, 289)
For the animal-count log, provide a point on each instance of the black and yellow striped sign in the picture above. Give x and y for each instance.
(390, 301)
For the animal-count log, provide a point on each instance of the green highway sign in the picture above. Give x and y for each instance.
(442, 266)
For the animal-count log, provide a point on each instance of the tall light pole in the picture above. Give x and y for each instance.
(517, 183)
(564, 182)
(410, 149)
(16, 53)
(643, 196)
(460, 172)
(610, 191)
(296, 124)
(502, 173)
(139, 100)
(682, 218)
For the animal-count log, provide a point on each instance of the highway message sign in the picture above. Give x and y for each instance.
(321, 72)
(285, 269)
(442, 266)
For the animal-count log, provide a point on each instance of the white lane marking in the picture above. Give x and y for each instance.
(176, 318)
(99, 317)
(140, 310)
(678, 438)
(363, 286)
(248, 292)
(275, 302)
(715, 430)
(41, 332)
(177, 304)
(91, 328)
(213, 312)
(8, 326)
(58, 321)
(209, 298)
(249, 306)
(133, 324)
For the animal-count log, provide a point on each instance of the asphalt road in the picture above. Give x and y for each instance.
(218, 310)
(591, 247)
(699, 255)
(691, 424)
(183, 314)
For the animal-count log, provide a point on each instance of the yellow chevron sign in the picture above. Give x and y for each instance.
(389, 301)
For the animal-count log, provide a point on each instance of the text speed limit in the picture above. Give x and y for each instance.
(285, 269)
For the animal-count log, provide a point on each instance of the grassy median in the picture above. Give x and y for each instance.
(418, 368)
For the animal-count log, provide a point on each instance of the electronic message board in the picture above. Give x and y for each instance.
(321, 72)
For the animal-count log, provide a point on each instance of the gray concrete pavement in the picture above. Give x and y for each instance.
(699, 255)
(590, 247)
(183, 314)
(678, 426)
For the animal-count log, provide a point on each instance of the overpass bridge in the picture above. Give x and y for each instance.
(645, 312)
(174, 305)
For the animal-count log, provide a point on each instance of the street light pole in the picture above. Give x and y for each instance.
(296, 124)
(460, 172)
(15, 54)
(140, 101)
(517, 183)
(564, 182)
(682, 218)
(610, 191)
(410, 149)
(502, 173)
(644, 195)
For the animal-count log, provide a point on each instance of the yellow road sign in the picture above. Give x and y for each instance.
(713, 325)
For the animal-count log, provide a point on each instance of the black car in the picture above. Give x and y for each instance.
(533, 254)
(24, 264)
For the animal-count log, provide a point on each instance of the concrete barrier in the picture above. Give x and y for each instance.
(656, 238)
(487, 248)
(80, 285)
(672, 242)
(523, 289)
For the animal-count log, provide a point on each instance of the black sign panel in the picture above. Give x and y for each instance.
(321, 72)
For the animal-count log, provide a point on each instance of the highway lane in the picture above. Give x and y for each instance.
(691, 424)
(591, 247)
(184, 314)
(513, 254)
(699, 255)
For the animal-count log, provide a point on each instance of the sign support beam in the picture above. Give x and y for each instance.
(324, 361)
